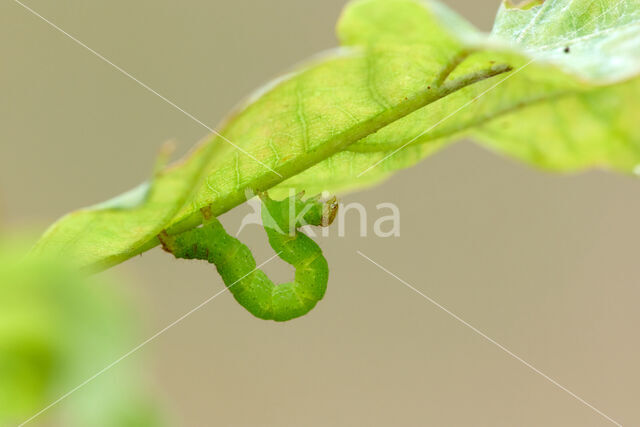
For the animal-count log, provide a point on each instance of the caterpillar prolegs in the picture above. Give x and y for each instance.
(250, 286)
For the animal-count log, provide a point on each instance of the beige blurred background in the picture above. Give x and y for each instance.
(544, 264)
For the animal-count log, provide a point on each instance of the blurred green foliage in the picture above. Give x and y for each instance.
(57, 329)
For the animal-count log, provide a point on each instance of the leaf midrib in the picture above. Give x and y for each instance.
(432, 92)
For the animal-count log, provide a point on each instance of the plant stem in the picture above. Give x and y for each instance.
(431, 93)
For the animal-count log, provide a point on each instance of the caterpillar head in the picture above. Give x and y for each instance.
(329, 211)
(294, 212)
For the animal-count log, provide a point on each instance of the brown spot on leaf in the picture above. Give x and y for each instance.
(206, 212)
(164, 240)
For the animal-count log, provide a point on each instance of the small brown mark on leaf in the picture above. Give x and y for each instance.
(164, 240)
(206, 212)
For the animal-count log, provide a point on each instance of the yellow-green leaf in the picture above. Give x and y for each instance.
(555, 84)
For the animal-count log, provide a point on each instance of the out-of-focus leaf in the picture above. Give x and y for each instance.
(57, 330)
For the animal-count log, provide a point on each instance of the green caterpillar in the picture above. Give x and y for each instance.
(235, 263)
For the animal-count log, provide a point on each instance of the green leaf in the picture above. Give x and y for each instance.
(319, 111)
(599, 44)
(506, 112)
(105, 234)
(403, 22)
(299, 121)
(598, 41)
(412, 77)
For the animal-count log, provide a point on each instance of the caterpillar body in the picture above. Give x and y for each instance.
(250, 286)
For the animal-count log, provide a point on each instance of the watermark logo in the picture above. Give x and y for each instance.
(384, 222)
